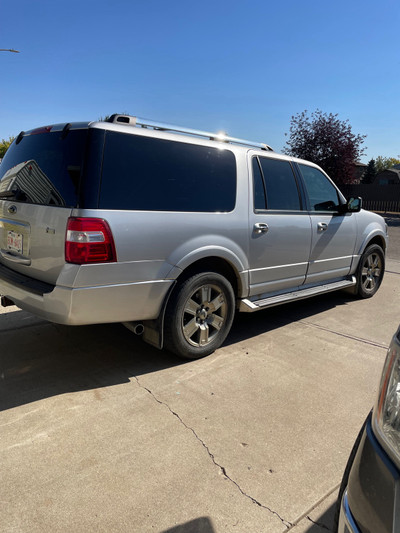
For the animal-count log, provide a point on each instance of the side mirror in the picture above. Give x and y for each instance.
(354, 205)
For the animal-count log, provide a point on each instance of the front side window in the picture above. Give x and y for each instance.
(322, 194)
(143, 173)
(280, 185)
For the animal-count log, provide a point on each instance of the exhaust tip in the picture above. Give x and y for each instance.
(136, 327)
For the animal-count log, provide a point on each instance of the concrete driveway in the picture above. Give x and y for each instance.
(102, 433)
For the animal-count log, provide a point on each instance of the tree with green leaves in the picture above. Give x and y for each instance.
(383, 163)
(4, 146)
(370, 172)
(327, 141)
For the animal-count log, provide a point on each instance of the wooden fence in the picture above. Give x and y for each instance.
(382, 198)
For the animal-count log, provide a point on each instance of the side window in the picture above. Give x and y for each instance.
(143, 173)
(259, 189)
(322, 194)
(280, 184)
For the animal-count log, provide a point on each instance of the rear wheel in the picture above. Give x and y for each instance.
(199, 315)
(370, 271)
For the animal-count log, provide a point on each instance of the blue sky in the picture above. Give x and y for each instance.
(242, 67)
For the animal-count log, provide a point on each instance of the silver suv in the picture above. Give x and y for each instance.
(169, 230)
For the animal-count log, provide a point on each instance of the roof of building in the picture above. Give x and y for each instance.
(390, 173)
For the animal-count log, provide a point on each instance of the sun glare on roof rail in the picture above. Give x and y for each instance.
(221, 135)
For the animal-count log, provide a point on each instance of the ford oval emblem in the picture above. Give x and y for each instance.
(12, 209)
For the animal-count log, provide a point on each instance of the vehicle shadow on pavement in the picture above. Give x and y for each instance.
(198, 525)
(248, 325)
(320, 523)
(39, 359)
(392, 220)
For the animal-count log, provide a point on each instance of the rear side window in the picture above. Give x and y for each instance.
(280, 186)
(260, 198)
(143, 173)
(44, 168)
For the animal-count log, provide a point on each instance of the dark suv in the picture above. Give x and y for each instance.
(369, 498)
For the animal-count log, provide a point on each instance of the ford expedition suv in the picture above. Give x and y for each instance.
(170, 230)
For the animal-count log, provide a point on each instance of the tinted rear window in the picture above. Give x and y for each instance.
(282, 191)
(149, 174)
(44, 169)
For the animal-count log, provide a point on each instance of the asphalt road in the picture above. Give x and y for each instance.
(102, 433)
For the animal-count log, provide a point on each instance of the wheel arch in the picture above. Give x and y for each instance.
(374, 237)
(214, 264)
(154, 329)
(377, 239)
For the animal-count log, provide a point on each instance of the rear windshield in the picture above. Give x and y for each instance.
(143, 173)
(44, 168)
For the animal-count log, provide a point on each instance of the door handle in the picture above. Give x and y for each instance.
(261, 227)
(322, 226)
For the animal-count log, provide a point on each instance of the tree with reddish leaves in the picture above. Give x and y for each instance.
(327, 141)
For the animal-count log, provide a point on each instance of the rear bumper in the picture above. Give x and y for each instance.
(87, 305)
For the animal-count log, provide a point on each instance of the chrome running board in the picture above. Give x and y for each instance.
(249, 306)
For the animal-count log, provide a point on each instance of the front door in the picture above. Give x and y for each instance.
(333, 234)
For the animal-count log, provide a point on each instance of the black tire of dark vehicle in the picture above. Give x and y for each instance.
(346, 474)
(199, 315)
(370, 271)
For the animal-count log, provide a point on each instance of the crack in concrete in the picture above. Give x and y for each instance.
(346, 335)
(212, 457)
(306, 514)
(322, 526)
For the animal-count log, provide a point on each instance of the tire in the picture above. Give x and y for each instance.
(370, 271)
(199, 315)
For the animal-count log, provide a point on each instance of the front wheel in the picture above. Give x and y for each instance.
(199, 315)
(370, 271)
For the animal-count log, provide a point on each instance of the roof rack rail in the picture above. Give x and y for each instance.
(144, 123)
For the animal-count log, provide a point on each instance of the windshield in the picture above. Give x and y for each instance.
(44, 168)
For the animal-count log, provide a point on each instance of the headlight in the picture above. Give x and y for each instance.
(387, 409)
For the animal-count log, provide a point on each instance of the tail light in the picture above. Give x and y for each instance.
(89, 240)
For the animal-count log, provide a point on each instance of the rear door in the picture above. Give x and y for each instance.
(279, 228)
(39, 183)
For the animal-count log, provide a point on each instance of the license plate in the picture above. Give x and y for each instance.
(14, 242)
